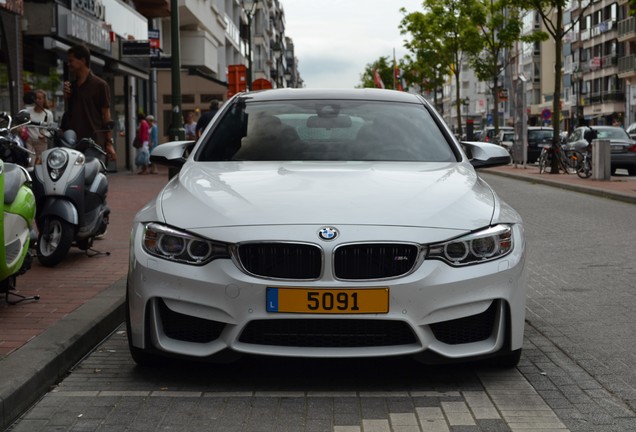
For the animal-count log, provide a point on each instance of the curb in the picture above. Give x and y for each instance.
(589, 190)
(30, 372)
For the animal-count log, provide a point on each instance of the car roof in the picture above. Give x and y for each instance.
(382, 95)
(540, 128)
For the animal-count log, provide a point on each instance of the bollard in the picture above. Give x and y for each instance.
(601, 160)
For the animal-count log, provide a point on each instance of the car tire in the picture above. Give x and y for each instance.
(632, 171)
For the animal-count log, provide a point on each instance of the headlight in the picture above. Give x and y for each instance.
(57, 159)
(478, 247)
(174, 245)
(56, 162)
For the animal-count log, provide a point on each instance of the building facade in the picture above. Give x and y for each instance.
(130, 43)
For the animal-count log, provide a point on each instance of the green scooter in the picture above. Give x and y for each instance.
(18, 210)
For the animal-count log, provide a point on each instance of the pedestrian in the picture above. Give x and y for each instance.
(87, 101)
(190, 126)
(207, 116)
(143, 153)
(40, 113)
(153, 140)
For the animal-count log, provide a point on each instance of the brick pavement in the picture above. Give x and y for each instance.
(93, 285)
(78, 278)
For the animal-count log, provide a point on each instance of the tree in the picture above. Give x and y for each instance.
(384, 68)
(551, 13)
(500, 24)
(443, 35)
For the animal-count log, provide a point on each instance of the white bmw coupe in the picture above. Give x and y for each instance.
(327, 223)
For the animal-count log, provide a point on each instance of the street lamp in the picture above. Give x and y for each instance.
(249, 6)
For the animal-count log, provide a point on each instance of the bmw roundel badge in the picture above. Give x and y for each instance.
(328, 233)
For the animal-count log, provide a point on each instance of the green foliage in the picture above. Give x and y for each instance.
(441, 39)
(49, 83)
(385, 68)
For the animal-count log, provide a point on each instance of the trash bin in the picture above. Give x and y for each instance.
(601, 160)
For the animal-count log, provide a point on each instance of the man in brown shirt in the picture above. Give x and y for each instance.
(87, 101)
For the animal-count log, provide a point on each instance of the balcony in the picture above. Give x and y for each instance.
(598, 98)
(153, 8)
(199, 50)
(627, 29)
(627, 66)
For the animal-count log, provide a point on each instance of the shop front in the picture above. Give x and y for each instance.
(49, 29)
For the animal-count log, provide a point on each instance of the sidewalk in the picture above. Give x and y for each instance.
(82, 298)
(81, 302)
(620, 187)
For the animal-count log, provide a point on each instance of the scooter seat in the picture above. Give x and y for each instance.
(92, 167)
(14, 177)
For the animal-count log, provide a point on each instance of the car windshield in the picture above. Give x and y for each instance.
(336, 130)
(539, 135)
(611, 133)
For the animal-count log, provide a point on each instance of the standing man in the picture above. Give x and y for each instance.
(207, 116)
(87, 100)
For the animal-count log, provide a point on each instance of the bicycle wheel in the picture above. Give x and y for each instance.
(585, 168)
(543, 159)
(562, 161)
(574, 158)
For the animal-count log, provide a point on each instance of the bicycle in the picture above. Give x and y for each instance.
(585, 168)
(568, 160)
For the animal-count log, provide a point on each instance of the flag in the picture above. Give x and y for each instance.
(377, 79)
(398, 79)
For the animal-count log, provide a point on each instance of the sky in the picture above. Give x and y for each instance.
(335, 39)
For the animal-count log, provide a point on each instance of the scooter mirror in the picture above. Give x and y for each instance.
(22, 117)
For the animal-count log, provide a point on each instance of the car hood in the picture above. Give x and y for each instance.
(222, 194)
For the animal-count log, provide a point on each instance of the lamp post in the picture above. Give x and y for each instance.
(176, 132)
(249, 6)
(576, 75)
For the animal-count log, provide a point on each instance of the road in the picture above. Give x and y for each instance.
(576, 372)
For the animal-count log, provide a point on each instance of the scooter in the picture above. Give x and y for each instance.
(70, 187)
(18, 209)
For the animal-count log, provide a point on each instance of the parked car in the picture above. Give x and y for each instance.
(490, 135)
(622, 147)
(310, 223)
(506, 139)
(538, 136)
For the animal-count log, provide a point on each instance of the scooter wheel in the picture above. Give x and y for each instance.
(55, 241)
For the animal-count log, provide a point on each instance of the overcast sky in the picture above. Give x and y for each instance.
(335, 39)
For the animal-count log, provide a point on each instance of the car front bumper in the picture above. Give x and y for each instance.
(202, 311)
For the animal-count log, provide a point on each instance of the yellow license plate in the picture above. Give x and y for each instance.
(328, 301)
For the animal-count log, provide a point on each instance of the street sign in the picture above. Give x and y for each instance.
(546, 114)
(135, 48)
(161, 62)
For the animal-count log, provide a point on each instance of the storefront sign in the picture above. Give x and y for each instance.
(88, 31)
(155, 42)
(94, 8)
(135, 49)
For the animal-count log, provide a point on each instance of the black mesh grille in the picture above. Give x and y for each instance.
(374, 261)
(281, 260)
(474, 328)
(188, 328)
(327, 333)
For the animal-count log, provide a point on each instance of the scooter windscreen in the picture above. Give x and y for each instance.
(68, 139)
